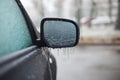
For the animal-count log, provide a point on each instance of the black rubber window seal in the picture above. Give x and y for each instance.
(29, 23)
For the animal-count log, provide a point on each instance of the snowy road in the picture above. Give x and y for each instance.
(88, 63)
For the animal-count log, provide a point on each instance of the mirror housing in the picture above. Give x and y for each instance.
(59, 33)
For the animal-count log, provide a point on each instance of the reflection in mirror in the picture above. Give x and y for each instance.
(58, 33)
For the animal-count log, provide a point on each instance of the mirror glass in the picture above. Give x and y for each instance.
(58, 33)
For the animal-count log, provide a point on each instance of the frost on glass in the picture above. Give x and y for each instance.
(59, 33)
(14, 34)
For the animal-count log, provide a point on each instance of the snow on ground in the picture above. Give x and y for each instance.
(100, 31)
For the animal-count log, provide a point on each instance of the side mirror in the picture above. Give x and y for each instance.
(59, 33)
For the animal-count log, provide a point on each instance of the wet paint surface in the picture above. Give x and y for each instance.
(88, 63)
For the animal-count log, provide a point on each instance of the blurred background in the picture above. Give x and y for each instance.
(97, 56)
(98, 20)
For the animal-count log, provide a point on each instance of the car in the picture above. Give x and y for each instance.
(24, 53)
(96, 20)
(101, 20)
(85, 20)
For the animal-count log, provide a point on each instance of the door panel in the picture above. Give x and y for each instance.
(31, 66)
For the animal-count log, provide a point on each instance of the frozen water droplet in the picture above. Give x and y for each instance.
(50, 60)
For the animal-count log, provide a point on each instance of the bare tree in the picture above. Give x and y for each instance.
(59, 7)
(92, 11)
(118, 17)
(78, 10)
(110, 8)
(39, 6)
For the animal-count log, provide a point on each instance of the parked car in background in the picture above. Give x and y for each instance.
(24, 53)
(97, 20)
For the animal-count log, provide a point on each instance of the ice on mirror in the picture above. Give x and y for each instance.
(59, 33)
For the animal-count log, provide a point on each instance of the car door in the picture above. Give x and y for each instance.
(20, 57)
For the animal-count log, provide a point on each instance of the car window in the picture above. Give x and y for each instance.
(14, 34)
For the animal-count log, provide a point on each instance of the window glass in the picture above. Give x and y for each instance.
(14, 34)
